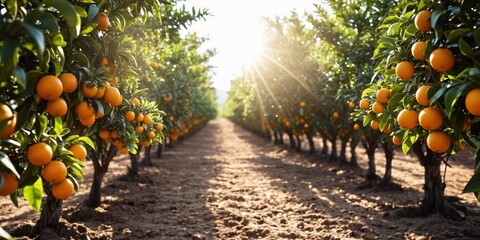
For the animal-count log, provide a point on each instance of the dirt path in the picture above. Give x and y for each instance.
(225, 183)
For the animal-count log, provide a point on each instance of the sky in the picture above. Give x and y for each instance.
(234, 30)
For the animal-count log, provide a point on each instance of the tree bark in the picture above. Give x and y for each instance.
(50, 213)
(101, 159)
(325, 144)
(292, 139)
(370, 146)
(311, 143)
(95, 196)
(147, 159)
(388, 149)
(133, 169)
(160, 149)
(299, 144)
(343, 150)
(275, 137)
(333, 155)
(353, 146)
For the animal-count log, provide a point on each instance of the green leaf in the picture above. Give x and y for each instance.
(33, 194)
(465, 48)
(77, 169)
(476, 36)
(12, 7)
(452, 96)
(453, 35)
(473, 184)
(438, 94)
(409, 138)
(9, 57)
(88, 141)
(69, 14)
(21, 77)
(37, 36)
(5, 161)
(42, 125)
(58, 126)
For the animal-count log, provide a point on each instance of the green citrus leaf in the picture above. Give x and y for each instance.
(5, 161)
(33, 194)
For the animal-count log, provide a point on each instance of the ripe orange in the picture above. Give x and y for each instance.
(135, 102)
(130, 116)
(352, 105)
(151, 135)
(407, 118)
(69, 82)
(99, 114)
(104, 62)
(39, 154)
(10, 184)
(422, 95)
(89, 91)
(302, 104)
(114, 81)
(159, 127)
(375, 124)
(430, 118)
(382, 95)
(103, 22)
(140, 117)
(378, 107)
(63, 189)
(356, 126)
(114, 134)
(386, 129)
(88, 121)
(123, 150)
(147, 119)
(397, 140)
(364, 104)
(54, 171)
(154, 65)
(422, 21)
(104, 134)
(49, 87)
(172, 118)
(442, 59)
(5, 113)
(438, 142)
(112, 96)
(146, 144)
(84, 110)
(472, 101)
(100, 93)
(139, 129)
(167, 99)
(79, 151)
(335, 115)
(57, 107)
(418, 50)
(405, 70)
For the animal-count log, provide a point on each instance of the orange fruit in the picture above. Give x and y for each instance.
(104, 62)
(123, 150)
(114, 81)
(10, 184)
(130, 116)
(147, 119)
(88, 121)
(89, 91)
(114, 134)
(407, 118)
(135, 102)
(386, 129)
(63, 189)
(140, 117)
(99, 114)
(103, 22)
(378, 107)
(151, 135)
(422, 21)
(472, 101)
(351, 105)
(335, 115)
(57, 107)
(418, 50)
(104, 134)
(54, 171)
(364, 104)
(430, 118)
(159, 127)
(49, 87)
(302, 104)
(69, 82)
(84, 110)
(397, 140)
(375, 124)
(438, 142)
(154, 65)
(145, 144)
(382, 95)
(172, 118)
(139, 129)
(39, 154)
(356, 126)
(100, 93)
(79, 151)
(5, 113)
(167, 99)
(112, 96)
(405, 70)
(422, 95)
(442, 59)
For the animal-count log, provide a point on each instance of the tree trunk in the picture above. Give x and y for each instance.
(325, 145)
(333, 155)
(343, 150)
(434, 197)
(50, 213)
(101, 159)
(276, 138)
(147, 159)
(160, 149)
(95, 196)
(353, 146)
(292, 139)
(280, 137)
(133, 169)
(388, 149)
(311, 143)
(299, 144)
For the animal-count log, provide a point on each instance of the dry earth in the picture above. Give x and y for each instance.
(226, 183)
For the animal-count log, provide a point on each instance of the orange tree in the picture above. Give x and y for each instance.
(428, 64)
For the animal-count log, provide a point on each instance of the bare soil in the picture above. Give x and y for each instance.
(226, 183)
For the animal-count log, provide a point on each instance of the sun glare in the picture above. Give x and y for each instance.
(251, 43)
